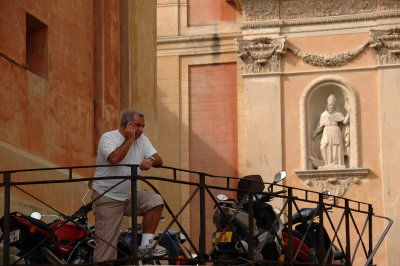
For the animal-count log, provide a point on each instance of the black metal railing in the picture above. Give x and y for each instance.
(347, 213)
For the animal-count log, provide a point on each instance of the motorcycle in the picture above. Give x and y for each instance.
(307, 234)
(231, 239)
(68, 241)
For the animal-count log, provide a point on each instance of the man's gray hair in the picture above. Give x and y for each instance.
(128, 116)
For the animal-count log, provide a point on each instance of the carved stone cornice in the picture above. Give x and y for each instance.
(385, 45)
(319, 20)
(262, 10)
(328, 60)
(261, 55)
(334, 181)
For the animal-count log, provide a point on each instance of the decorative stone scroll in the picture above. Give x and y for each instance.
(328, 60)
(336, 182)
(261, 55)
(385, 45)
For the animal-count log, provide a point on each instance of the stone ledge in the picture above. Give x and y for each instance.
(336, 182)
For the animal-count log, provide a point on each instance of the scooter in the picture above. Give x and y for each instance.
(307, 244)
(231, 218)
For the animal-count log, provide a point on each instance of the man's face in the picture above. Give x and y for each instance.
(138, 124)
(330, 108)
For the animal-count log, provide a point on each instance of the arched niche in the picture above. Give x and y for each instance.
(313, 103)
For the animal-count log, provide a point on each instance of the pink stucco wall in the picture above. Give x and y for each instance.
(213, 129)
(54, 118)
(210, 12)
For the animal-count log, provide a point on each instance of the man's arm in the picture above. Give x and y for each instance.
(147, 163)
(119, 153)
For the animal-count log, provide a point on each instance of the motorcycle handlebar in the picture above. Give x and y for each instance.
(279, 192)
(267, 197)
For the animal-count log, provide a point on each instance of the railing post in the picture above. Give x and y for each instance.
(347, 221)
(370, 213)
(251, 228)
(202, 237)
(6, 248)
(134, 238)
(321, 253)
(290, 225)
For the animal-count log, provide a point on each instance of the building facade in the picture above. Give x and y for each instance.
(67, 70)
(244, 88)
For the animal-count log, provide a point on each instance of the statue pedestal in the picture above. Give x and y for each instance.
(335, 181)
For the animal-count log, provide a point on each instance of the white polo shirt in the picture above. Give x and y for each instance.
(140, 149)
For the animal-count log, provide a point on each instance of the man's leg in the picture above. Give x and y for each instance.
(108, 217)
(151, 219)
(149, 206)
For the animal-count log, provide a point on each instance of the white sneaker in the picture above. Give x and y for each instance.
(157, 251)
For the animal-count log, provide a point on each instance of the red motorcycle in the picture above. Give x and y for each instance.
(68, 241)
(306, 233)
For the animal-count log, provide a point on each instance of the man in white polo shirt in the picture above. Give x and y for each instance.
(126, 145)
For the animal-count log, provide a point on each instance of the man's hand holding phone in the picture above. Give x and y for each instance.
(130, 131)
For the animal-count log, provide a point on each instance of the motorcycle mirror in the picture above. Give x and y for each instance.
(326, 194)
(222, 197)
(279, 176)
(36, 215)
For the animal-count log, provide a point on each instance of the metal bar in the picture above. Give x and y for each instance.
(251, 228)
(360, 240)
(335, 230)
(6, 248)
(369, 261)
(371, 211)
(289, 251)
(202, 236)
(44, 203)
(134, 246)
(347, 224)
(175, 217)
(321, 251)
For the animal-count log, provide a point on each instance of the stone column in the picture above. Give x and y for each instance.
(262, 65)
(385, 46)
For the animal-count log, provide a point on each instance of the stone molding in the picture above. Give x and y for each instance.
(261, 55)
(265, 55)
(300, 12)
(336, 182)
(385, 46)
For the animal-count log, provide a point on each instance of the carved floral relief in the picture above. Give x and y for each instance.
(328, 60)
(290, 9)
(388, 4)
(258, 10)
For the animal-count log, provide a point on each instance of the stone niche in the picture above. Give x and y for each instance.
(329, 136)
